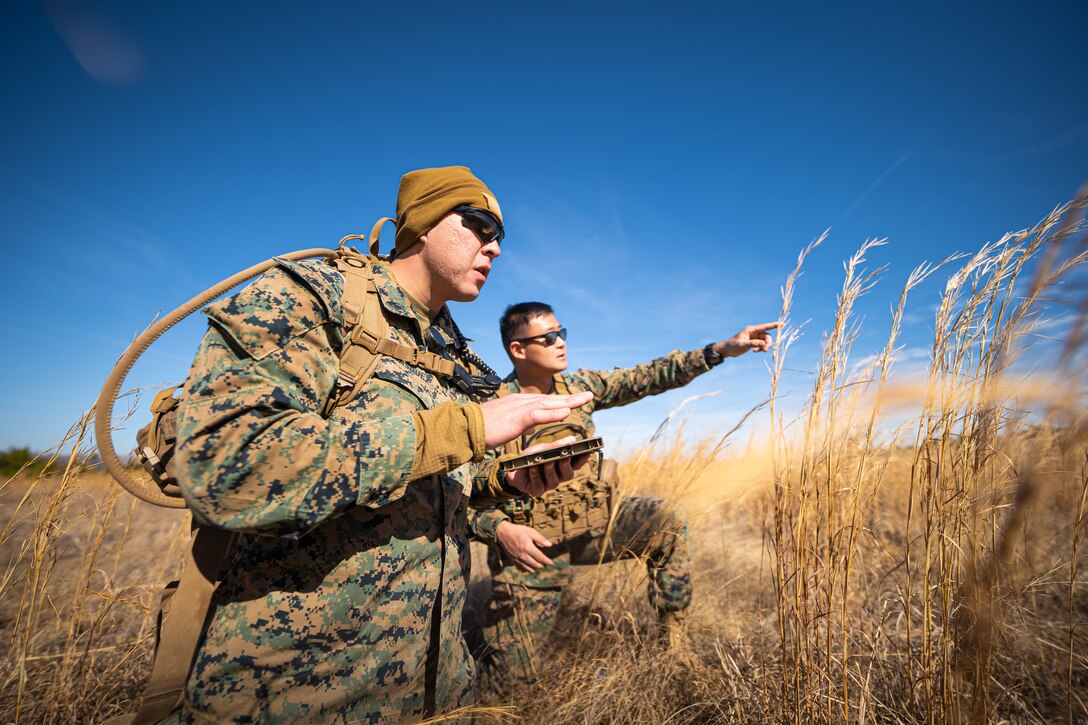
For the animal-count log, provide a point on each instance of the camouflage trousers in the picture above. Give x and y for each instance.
(518, 616)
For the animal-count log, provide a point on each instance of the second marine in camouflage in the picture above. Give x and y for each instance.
(533, 543)
(343, 601)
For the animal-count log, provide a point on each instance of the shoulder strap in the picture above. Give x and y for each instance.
(561, 387)
(209, 551)
(369, 338)
(358, 358)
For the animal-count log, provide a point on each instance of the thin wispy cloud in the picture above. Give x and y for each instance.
(1057, 327)
(114, 237)
(1065, 140)
(79, 396)
(613, 349)
(572, 278)
(880, 179)
(920, 314)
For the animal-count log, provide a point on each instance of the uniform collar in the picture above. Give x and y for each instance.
(395, 299)
(512, 384)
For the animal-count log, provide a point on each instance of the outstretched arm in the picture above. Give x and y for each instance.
(626, 385)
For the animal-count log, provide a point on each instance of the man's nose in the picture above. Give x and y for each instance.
(491, 249)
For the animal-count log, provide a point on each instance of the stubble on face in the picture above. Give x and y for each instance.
(459, 263)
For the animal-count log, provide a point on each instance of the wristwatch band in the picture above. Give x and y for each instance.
(711, 356)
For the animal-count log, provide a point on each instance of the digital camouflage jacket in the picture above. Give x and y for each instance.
(611, 388)
(344, 599)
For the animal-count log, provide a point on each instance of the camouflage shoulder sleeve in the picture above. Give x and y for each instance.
(621, 386)
(254, 452)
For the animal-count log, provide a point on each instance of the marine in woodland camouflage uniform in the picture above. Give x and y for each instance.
(343, 602)
(529, 571)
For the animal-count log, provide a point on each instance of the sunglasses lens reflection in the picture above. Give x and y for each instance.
(551, 337)
(483, 224)
(547, 339)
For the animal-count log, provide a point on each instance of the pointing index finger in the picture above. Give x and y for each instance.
(763, 327)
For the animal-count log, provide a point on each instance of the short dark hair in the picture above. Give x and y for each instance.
(518, 316)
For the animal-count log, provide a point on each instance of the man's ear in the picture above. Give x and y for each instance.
(517, 351)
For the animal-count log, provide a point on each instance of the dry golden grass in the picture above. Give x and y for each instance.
(845, 571)
(82, 565)
(855, 572)
(742, 668)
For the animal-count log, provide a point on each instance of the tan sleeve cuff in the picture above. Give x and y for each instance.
(475, 416)
(447, 436)
(496, 489)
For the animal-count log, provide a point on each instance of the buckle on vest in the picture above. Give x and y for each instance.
(518, 509)
(365, 339)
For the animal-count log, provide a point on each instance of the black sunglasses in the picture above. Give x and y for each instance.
(482, 223)
(547, 339)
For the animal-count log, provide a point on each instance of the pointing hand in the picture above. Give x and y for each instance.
(757, 338)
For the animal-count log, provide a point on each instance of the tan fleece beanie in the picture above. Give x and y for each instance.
(427, 195)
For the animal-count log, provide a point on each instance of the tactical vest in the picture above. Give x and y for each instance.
(185, 605)
(581, 506)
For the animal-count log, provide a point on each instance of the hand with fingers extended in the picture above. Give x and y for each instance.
(522, 544)
(508, 417)
(756, 338)
(538, 480)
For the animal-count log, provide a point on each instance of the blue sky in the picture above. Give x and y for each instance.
(659, 164)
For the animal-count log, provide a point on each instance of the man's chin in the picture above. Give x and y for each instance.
(467, 295)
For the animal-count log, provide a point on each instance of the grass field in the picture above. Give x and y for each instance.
(846, 570)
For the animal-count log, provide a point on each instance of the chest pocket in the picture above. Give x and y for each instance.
(575, 508)
(579, 506)
(423, 386)
(426, 390)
